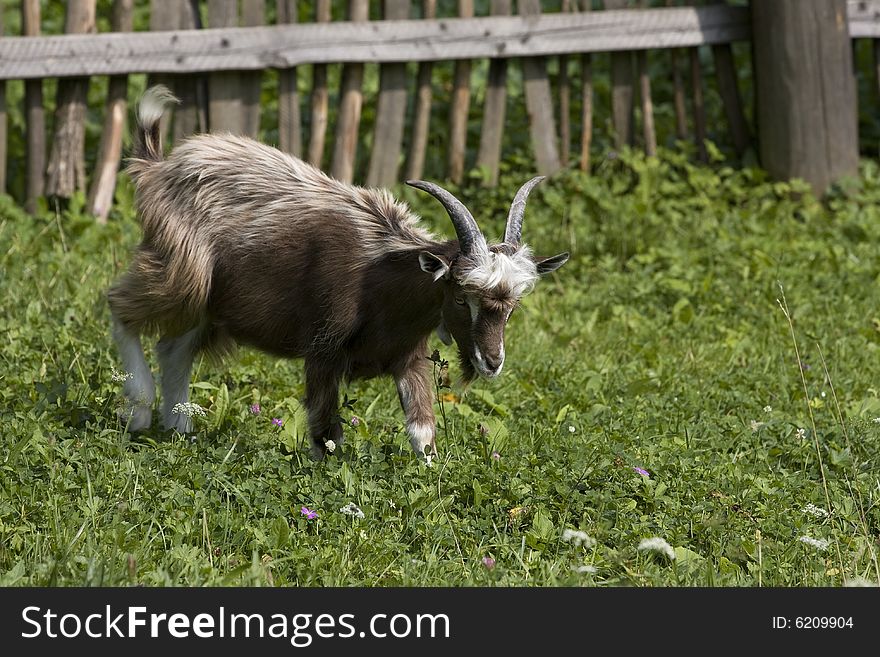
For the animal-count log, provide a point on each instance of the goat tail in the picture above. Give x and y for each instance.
(148, 137)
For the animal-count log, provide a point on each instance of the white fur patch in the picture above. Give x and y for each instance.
(518, 272)
(421, 437)
(139, 389)
(153, 103)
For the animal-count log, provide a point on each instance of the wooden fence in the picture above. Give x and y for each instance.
(215, 68)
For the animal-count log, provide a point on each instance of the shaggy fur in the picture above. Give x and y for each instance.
(243, 244)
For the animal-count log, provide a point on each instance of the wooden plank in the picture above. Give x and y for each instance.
(3, 119)
(253, 13)
(225, 111)
(621, 89)
(289, 120)
(586, 102)
(564, 102)
(863, 18)
(390, 111)
(110, 149)
(418, 147)
(320, 101)
(539, 104)
(66, 172)
(725, 75)
(282, 46)
(191, 116)
(806, 97)
(494, 109)
(650, 136)
(350, 103)
(460, 106)
(35, 117)
(166, 15)
(699, 105)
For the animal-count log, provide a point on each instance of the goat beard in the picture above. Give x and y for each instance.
(468, 371)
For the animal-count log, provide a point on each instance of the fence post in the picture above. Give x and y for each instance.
(725, 74)
(494, 109)
(110, 149)
(461, 102)
(35, 116)
(564, 102)
(320, 97)
(586, 101)
(539, 104)
(253, 13)
(621, 89)
(225, 112)
(350, 102)
(289, 131)
(66, 172)
(2, 125)
(806, 96)
(415, 161)
(390, 111)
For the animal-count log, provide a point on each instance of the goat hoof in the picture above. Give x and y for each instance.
(135, 417)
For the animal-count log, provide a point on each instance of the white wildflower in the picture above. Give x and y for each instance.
(189, 409)
(351, 509)
(571, 428)
(859, 581)
(876, 420)
(119, 377)
(801, 433)
(755, 425)
(578, 538)
(768, 409)
(330, 445)
(657, 544)
(813, 510)
(819, 543)
(428, 459)
(392, 504)
(585, 569)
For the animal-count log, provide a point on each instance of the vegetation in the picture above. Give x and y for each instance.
(703, 371)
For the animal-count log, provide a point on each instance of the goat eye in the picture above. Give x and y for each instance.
(460, 301)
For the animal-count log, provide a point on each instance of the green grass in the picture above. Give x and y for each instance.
(661, 345)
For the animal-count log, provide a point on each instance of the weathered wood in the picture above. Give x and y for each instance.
(390, 111)
(350, 103)
(621, 89)
(678, 95)
(320, 97)
(166, 15)
(289, 120)
(382, 41)
(191, 116)
(253, 13)
(863, 17)
(564, 102)
(110, 149)
(494, 110)
(3, 118)
(806, 96)
(225, 110)
(66, 172)
(647, 105)
(418, 146)
(699, 105)
(35, 118)
(725, 75)
(586, 101)
(650, 136)
(539, 104)
(459, 106)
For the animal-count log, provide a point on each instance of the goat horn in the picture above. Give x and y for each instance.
(469, 236)
(513, 231)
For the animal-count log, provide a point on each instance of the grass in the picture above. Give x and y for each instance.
(714, 328)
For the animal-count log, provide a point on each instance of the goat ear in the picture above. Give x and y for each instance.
(435, 265)
(546, 265)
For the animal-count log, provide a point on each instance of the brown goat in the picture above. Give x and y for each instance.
(245, 244)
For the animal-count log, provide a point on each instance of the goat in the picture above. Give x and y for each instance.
(244, 244)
